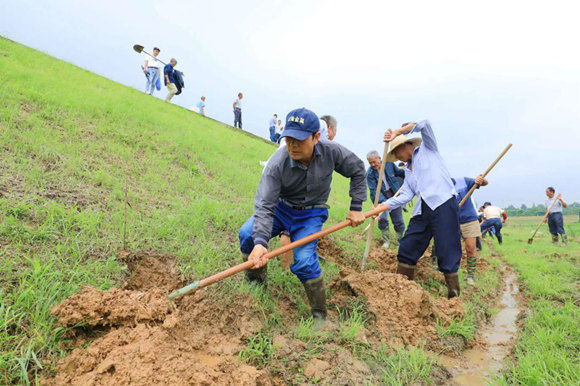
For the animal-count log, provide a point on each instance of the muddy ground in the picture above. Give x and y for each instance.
(134, 335)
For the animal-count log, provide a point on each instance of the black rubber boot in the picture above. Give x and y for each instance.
(316, 293)
(259, 275)
(499, 238)
(452, 281)
(478, 243)
(406, 270)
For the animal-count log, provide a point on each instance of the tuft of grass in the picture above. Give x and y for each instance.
(405, 367)
(259, 352)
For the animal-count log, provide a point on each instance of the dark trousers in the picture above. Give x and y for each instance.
(272, 134)
(494, 223)
(396, 217)
(556, 223)
(238, 118)
(442, 224)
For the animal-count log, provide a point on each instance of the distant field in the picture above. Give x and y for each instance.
(547, 348)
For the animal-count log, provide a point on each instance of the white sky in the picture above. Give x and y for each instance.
(485, 74)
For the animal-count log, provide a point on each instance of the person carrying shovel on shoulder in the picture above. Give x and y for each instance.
(555, 219)
(436, 213)
(292, 197)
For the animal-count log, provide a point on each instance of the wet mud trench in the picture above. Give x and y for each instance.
(478, 365)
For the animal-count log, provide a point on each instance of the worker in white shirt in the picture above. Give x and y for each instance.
(151, 70)
(494, 217)
(436, 213)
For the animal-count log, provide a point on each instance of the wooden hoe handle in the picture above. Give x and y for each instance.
(276, 252)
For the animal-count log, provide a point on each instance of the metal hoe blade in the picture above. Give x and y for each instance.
(138, 48)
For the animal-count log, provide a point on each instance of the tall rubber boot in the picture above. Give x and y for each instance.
(386, 239)
(259, 275)
(400, 235)
(406, 270)
(478, 243)
(316, 293)
(564, 239)
(471, 265)
(499, 239)
(452, 281)
(554, 239)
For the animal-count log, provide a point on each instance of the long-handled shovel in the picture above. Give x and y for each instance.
(139, 49)
(276, 252)
(531, 239)
(377, 194)
(485, 174)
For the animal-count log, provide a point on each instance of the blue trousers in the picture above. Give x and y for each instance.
(556, 223)
(238, 118)
(300, 223)
(396, 217)
(494, 223)
(272, 134)
(442, 224)
(151, 79)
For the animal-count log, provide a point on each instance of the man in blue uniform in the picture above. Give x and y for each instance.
(292, 197)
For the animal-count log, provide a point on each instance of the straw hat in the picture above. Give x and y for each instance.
(398, 141)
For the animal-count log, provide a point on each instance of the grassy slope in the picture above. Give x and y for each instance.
(71, 141)
(547, 350)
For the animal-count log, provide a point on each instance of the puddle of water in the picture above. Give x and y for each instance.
(477, 365)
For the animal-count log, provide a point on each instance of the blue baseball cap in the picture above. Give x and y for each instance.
(300, 124)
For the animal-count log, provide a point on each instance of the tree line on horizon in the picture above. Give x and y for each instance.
(539, 210)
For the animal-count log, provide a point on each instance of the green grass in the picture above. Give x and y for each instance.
(71, 143)
(547, 350)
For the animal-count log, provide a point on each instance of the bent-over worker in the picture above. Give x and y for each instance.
(292, 197)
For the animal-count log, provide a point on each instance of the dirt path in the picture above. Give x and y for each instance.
(478, 365)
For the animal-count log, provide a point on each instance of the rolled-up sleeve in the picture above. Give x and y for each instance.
(264, 203)
(350, 166)
(424, 128)
(405, 195)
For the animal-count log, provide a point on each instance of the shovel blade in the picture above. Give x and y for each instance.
(138, 48)
(530, 241)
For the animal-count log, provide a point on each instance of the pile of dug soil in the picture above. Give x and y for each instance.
(404, 312)
(148, 341)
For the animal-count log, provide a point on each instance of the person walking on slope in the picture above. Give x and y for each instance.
(436, 213)
(238, 111)
(201, 106)
(555, 218)
(390, 186)
(468, 221)
(493, 217)
(169, 73)
(292, 197)
(273, 123)
(151, 70)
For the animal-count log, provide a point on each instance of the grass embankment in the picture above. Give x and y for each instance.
(547, 349)
(72, 143)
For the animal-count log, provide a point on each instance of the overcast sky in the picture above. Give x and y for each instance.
(484, 73)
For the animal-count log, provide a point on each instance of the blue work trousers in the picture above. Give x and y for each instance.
(396, 217)
(494, 223)
(556, 223)
(300, 223)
